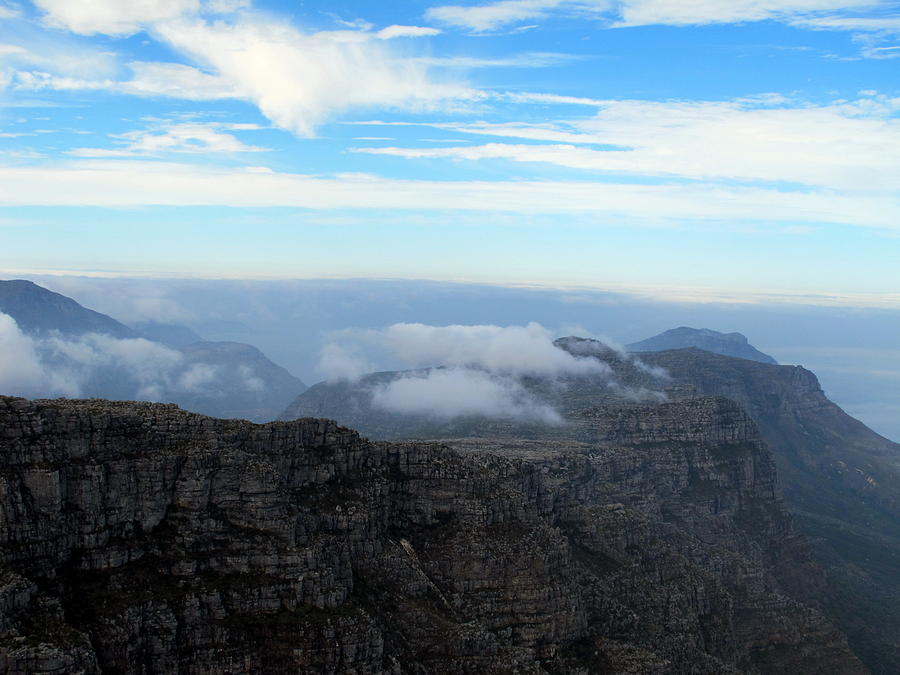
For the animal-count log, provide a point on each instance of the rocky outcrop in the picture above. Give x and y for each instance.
(140, 538)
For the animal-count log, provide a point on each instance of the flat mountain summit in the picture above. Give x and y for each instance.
(727, 344)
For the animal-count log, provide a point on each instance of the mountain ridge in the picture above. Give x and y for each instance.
(727, 344)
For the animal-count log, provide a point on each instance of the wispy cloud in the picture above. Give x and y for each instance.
(297, 79)
(131, 183)
(847, 145)
(173, 137)
(523, 60)
(491, 16)
(700, 12)
(112, 17)
(482, 18)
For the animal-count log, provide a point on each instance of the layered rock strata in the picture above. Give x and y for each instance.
(140, 538)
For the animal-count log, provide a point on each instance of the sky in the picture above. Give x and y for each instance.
(697, 147)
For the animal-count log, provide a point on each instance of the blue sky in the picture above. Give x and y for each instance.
(703, 148)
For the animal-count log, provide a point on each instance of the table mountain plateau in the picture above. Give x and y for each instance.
(727, 344)
(140, 538)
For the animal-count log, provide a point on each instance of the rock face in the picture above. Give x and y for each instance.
(841, 481)
(727, 344)
(140, 538)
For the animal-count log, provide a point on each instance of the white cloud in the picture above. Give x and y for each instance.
(395, 31)
(337, 362)
(6, 50)
(61, 365)
(297, 80)
(842, 146)
(21, 371)
(111, 17)
(494, 15)
(133, 183)
(523, 60)
(249, 380)
(863, 24)
(198, 378)
(491, 16)
(698, 12)
(7, 12)
(498, 349)
(448, 393)
(175, 80)
(186, 137)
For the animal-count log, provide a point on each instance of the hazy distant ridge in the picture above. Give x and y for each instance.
(727, 344)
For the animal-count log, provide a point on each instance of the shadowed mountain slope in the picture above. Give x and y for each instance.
(38, 310)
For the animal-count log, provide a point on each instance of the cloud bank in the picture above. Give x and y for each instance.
(460, 392)
(519, 350)
(465, 370)
(102, 365)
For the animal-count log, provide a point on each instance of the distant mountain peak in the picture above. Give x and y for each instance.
(39, 310)
(727, 344)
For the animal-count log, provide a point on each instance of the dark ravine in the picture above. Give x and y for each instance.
(140, 538)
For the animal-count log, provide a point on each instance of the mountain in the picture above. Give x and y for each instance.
(99, 357)
(147, 539)
(39, 311)
(727, 344)
(840, 479)
(169, 334)
(247, 384)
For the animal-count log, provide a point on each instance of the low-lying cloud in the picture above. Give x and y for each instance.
(101, 365)
(521, 350)
(475, 370)
(456, 392)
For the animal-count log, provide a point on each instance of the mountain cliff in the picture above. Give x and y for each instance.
(841, 480)
(141, 538)
(727, 344)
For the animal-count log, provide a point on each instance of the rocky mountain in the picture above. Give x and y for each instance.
(727, 344)
(841, 480)
(40, 311)
(141, 538)
(98, 356)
